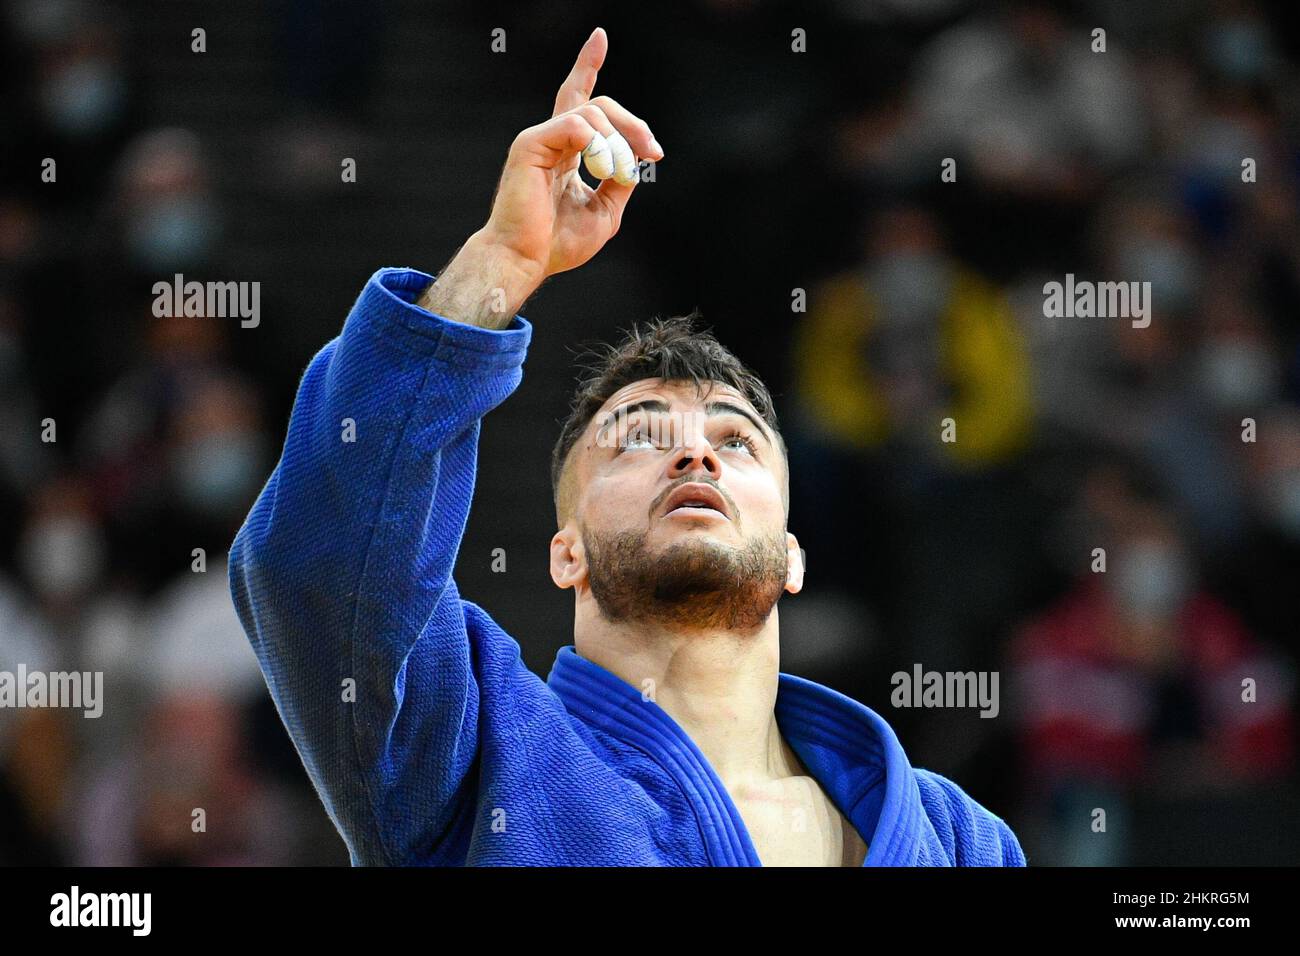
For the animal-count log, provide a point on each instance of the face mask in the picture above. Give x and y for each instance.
(1152, 581)
(1236, 374)
(1168, 266)
(910, 286)
(216, 473)
(1283, 498)
(62, 556)
(169, 234)
(83, 98)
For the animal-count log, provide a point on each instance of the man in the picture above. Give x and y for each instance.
(665, 734)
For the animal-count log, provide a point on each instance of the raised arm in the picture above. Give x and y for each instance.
(342, 572)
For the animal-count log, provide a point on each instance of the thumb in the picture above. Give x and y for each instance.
(614, 196)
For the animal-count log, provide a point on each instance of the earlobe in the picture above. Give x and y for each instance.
(797, 563)
(568, 563)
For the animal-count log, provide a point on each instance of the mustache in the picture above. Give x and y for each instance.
(662, 496)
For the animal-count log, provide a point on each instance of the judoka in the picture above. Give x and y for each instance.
(665, 732)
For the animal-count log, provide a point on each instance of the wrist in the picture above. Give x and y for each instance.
(485, 284)
(516, 272)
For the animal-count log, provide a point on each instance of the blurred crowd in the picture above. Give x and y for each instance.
(1116, 524)
(1115, 528)
(134, 443)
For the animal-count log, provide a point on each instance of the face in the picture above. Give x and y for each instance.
(679, 515)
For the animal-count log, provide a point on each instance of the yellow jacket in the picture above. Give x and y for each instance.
(984, 360)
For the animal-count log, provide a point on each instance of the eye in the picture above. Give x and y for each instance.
(636, 437)
(744, 440)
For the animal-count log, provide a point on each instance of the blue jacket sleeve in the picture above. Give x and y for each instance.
(341, 573)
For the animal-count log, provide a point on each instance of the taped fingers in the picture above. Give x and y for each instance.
(609, 157)
(609, 154)
(625, 168)
(598, 157)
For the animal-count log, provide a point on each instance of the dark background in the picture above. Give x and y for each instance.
(816, 171)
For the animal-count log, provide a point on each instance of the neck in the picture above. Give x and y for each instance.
(720, 687)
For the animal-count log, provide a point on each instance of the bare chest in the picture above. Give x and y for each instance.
(794, 823)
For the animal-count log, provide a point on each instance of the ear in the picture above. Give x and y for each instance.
(795, 556)
(568, 558)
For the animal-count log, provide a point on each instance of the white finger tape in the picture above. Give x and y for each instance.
(625, 169)
(599, 158)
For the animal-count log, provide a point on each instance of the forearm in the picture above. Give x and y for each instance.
(484, 285)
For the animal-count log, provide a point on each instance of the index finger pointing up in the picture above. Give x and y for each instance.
(581, 80)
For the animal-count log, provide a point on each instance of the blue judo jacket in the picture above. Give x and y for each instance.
(426, 736)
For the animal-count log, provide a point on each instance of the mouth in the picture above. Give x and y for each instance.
(695, 500)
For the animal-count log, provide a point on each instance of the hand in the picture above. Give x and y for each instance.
(545, 219)
(543, 212)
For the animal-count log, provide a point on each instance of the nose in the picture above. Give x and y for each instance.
(694, 454)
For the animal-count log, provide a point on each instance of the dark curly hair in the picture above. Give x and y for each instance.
(673, 349)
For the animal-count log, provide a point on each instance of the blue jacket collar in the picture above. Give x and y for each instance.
(845, 745)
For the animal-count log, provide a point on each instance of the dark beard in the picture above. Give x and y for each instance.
(693, 585)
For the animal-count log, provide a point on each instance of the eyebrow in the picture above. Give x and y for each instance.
(727, 408)
(649, 405)
(657, 405)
